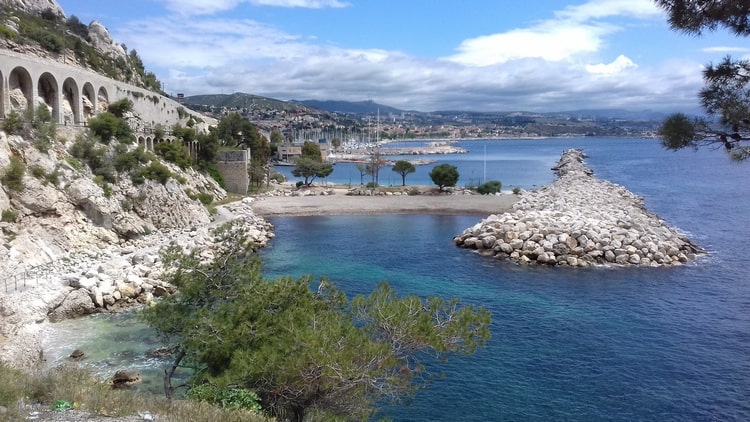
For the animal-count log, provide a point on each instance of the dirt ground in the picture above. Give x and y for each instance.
(341, 204)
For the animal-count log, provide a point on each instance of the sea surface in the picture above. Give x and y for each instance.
(567, 344)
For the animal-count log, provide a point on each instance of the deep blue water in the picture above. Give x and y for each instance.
(567, 344)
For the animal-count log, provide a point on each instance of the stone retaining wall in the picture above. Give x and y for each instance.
(579, 221)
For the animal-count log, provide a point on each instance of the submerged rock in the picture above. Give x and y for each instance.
(580, 221)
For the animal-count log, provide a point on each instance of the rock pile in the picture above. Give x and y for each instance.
(579, 221)
(109, 280)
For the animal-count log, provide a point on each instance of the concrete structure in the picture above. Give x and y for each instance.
(233, 168)
(74, 95)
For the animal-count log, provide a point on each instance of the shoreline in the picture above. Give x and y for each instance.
(338, 203)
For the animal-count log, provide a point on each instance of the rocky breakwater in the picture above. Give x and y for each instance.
(579, 221)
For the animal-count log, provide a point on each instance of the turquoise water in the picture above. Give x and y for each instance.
(567, 344)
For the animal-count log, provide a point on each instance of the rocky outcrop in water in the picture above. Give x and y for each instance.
(579, 221)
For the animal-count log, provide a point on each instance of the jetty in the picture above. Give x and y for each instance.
(580, 221)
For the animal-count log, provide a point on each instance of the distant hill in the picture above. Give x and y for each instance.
(241, 100)
(349, 107)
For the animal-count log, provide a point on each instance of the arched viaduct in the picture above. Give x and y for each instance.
(73, 95)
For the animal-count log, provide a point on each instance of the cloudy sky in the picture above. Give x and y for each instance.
(426, 55)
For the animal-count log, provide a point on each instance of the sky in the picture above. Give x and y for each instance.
(425, 55)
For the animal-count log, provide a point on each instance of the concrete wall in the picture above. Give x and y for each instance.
(232, 166)
(75, 94)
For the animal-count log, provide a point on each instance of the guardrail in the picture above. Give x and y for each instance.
(25, 279)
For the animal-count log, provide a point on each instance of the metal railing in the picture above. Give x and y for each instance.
(25, 278)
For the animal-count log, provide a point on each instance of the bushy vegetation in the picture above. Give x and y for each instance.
(107, 126)
(127, 161)
(12, 177)
(96, 156)
(8, 216)
(68, 389)
(304, 351)
(154, 171)
(444, 175)
(490, 188)
(45, 129)
(13, 123)
(174, 152)
(56, 35)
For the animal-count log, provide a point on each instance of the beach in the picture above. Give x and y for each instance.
(342, 204)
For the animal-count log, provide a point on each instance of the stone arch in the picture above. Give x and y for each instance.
(88, 102)
(20, 90)
(149, 143)
(102, 100)
(142, 142)
(49, 94)
(71, 102)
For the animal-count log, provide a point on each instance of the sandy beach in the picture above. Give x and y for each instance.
(341, 204)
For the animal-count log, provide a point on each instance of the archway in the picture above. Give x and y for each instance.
(102, 99)
(88, 102)
(71, 107)
(20, 90)
(48, 94)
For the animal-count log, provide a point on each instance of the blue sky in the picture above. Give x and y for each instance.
(426, 55)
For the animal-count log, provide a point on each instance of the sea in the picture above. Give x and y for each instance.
(568, 344)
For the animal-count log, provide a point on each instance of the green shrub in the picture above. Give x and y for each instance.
(128, 161)
(413, 192)
(75, 163)
(13, 175)
(96, 156)
(120, 107)
(38, 172)
(6, 32)
(226, 398)
(214, 173)
(516, 190)
(154, 171)
(13, 123)
(8, 216)
(174, 152)
(491, 187)
(107, 126)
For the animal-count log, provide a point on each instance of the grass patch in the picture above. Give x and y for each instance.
(72, 388)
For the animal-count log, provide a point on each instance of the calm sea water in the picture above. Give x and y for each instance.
(567, 344)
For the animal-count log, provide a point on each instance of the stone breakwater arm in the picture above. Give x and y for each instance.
(579, 221)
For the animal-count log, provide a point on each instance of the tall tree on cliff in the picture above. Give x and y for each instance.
(726, 94)
(309, 354)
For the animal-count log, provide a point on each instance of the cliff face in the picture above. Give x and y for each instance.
(61, 209)
(34, 7)
(73, 214)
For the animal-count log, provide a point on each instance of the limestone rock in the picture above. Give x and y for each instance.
(102, 41)
(76, 303)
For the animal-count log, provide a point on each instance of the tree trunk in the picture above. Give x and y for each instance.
(169, 373)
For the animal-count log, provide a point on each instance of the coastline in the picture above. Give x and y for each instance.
(339, 203)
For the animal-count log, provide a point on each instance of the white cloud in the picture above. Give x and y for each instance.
(598, 9)
(539, 68)
(726, 50)
(210, 7)
(620, 64)
(549, 41)
(575, 31)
